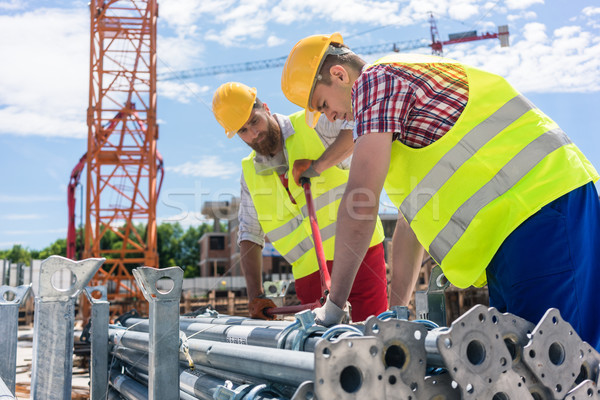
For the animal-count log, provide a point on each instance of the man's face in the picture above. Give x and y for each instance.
(261, 132)
(334, 100)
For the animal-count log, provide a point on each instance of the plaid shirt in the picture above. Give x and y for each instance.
(419, 103)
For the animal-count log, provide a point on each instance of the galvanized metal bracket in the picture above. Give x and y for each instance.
(350, 368)
(553, 353)
(431, 305)
(163, 329)
(227, 392)
(82, 272)
(404, 355)
(100, 310)
(14, 295)
(306, 329)
(54, 325)
(474, 352)
(147, 278)
(11, 299)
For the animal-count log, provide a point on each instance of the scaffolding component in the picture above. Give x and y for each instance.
(164, 329)
(54, 321)
(97, 296)
(11, 300)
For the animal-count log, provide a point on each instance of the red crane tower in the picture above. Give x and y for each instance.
(122, 160)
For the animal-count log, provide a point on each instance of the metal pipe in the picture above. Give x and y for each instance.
(283, 366)
(241, 334)
(97, 296)
(127, 386)
(54, 325)
(163, 330)
(220, 320)
(10, 301)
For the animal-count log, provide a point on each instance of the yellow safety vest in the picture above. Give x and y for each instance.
(501, 162)
(287, 224)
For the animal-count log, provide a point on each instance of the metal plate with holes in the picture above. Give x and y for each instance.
(515, 332)
(474, 351)
(349, 368)
(586, 390)
(590, 366)
(553, 354)
(404, 355)
(507, 386)
(439, 387)
(306, 391)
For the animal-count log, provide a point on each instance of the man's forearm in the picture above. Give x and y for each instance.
(407, 255)
(351, 244)
(339, 150)
(251, 263)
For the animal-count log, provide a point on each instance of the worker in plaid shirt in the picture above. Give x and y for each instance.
(490, 186)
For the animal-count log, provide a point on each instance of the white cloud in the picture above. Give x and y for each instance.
(521, 4)
(208, 167)
(21, 217)
(182, 92)
(522, 15)
(29, 199)
(44, 86)
(567, 60)
(273, 41)
(591, 11)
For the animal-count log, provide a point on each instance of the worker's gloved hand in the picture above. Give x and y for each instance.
(329, 314)
(257, 307)
(303, 169)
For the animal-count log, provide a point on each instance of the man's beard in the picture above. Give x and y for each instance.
(270, 140)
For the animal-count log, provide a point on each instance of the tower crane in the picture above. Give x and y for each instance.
(122, 161)
(436, 45)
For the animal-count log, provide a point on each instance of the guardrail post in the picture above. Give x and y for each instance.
(10, 301)
(54, 325)
(163, 352)
(97, 295)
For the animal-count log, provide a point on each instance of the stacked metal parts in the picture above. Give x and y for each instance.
(483, 355)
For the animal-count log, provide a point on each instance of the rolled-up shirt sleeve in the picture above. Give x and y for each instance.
(249, 228)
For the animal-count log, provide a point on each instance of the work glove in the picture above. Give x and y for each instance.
(330, 314)
(257, 306)
(303, 169)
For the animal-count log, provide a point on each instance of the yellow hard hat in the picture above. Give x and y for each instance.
(232, 105)
(300, 71)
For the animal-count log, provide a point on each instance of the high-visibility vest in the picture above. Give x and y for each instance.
(287, 224)
(501, 162)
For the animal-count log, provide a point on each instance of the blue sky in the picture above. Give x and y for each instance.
(554, 59)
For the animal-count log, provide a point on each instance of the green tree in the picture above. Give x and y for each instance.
(18, 254)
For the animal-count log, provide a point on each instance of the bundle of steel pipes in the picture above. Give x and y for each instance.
(484, 354)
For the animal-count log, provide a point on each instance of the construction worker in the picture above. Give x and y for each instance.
(273, 205)
(490, 186)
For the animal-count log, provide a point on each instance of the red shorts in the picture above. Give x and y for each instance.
(368, 295)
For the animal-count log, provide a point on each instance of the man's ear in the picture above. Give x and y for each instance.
(266, 107)
(338, 72)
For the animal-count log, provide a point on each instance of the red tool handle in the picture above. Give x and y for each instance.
(325, 278)
(314, 226)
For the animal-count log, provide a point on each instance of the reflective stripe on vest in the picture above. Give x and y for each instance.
(500, 163)
(286, 224)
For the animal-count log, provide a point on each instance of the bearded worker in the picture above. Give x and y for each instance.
(274, 204)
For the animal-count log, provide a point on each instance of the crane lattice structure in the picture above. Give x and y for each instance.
(436, 45)
(122, 160)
